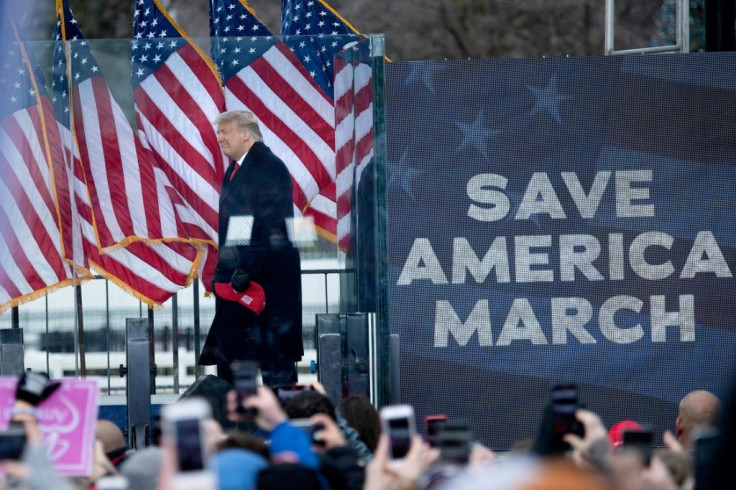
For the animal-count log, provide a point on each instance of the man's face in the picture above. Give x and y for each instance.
(233, 141)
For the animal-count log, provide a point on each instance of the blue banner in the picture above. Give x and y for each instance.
(562, 220)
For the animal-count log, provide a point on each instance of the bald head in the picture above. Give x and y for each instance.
(110, 436)
(698, 408)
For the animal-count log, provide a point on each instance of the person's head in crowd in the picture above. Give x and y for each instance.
(143, 468)
(288, 476)
(360, 414)
(308, 403)
(113, 441)
(616, 433)
(698, 408)
(242, 440)
(237, 469)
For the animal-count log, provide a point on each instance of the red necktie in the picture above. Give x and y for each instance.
(235, 169)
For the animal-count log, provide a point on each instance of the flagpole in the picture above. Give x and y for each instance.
(80, 325)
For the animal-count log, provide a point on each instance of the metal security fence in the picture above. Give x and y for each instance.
(52, 343)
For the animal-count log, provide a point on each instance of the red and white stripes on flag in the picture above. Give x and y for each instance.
(152, 272)
(31, 251)
(123, 183)
(315, 24)
(353, 137)
(120, 201)
(177, 93)
(174, 119)
(344, 149)
(128, 200)
(31, 261)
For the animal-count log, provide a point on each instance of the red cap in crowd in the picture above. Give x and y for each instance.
(616, 434)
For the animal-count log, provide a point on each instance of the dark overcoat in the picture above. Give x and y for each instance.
(259, 198)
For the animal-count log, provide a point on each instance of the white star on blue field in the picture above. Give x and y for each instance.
(476, 135)
(548, 99)
(424, 72)
(403, 175)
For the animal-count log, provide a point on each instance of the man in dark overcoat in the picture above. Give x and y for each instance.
(256, 212)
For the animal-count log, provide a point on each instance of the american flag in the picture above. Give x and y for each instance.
(152, 272)
(263, 75)
(328, 33)
(316, 32)
(177, 96)
(31, 252)
(178, 93)
(354, 136)
(129, 197)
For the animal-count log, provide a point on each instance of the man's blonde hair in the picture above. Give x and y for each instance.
(244, 120)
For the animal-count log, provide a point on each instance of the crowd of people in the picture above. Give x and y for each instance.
(306, 442)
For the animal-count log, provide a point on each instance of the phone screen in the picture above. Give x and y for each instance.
(12, 442)
(454, 442)
(286, 393)
(189, 445)
(706, 447)
(399, 432)
(564, 405)
(245, 381)
(433, 425)
(641, 441)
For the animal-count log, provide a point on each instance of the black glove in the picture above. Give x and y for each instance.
(35, 387)
(240, 280)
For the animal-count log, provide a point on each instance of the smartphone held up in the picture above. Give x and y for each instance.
(432, 426)
(12, 442)
(245, 382)
(564, 406)
(184, 431)
(398, 423)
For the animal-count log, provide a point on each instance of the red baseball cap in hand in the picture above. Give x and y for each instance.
(253, 298)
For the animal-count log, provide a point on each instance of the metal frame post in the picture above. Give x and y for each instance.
(719, 22)
(138, 382)
(682, 34)
(384, 380)
(11, 352)
(175, 339)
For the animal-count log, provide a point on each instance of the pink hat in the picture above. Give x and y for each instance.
(616, 434)
(253, 297)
